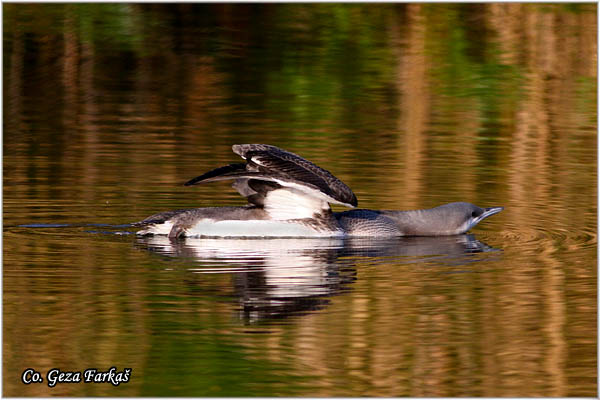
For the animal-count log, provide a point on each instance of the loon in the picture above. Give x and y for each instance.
(289, 196)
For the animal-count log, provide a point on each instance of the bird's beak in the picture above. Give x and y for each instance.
(490, 211)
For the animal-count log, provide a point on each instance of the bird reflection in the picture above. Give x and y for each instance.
(281, 277)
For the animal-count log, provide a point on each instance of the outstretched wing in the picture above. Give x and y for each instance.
(231, 171)
(287, 170)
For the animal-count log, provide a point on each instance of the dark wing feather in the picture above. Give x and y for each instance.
(276, 161)
(269, 163)
(240, 173)
(231, 171)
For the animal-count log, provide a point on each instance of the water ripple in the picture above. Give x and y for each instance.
(551, 239)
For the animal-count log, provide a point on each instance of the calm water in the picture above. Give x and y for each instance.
(109, 108)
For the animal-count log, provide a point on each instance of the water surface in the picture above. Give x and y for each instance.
(110, 108)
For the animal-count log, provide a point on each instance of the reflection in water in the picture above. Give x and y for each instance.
(273, 277)
(448, 250)
(283, 277)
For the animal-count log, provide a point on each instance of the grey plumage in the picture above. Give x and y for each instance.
(289, 195)
(447, 219)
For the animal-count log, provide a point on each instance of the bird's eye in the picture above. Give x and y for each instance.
(474, 214)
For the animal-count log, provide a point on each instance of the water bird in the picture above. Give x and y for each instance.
(289, 196)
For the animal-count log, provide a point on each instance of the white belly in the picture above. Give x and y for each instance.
(256, 229)
(235, 228)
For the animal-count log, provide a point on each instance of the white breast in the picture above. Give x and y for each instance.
(256, 228)
(289, 203)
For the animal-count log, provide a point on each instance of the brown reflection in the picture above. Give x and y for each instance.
(70, 73)
(412, 87)
(553, 282)
(13, 98)
(79, 324)
(438, 350)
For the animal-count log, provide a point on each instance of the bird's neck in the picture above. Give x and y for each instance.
(422, 222)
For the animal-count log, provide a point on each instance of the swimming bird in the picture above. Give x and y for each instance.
(289, 196)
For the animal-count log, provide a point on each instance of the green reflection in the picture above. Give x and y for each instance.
(208, 364)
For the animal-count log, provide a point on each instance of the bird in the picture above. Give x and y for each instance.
(289, 196)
